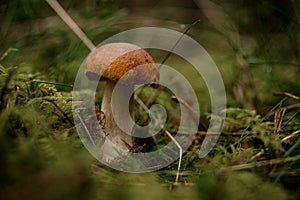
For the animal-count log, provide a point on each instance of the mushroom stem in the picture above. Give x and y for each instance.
(122, 141)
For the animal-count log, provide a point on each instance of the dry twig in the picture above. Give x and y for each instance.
(60, 110)
(189, 107)
(290, 136)
(287, 94)
(86, 129)
(71, 23)
(263, 163)
(180, 154)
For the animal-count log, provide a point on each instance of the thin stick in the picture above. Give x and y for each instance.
(287, 94)
(290, 136)
(263, 163)
(141, 103)
(281, 119)
(204, 133)
(86, 129)
(259, 154)
(71, 23)
(189, 107)
(7, 52)
(60, 110)
(180, 154)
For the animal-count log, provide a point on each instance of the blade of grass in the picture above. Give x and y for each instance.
(179, 39)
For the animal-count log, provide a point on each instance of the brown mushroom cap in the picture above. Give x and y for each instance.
(115, 60)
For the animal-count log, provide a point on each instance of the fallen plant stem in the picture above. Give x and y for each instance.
(86, 129)
(259, 154)
(281, 119)
(7, 52)
(180, 154)
(262, 163)
(204, 133)
(287, 94)
(71, 23)
(278, 118)
(290, 136)
(141, 103)
(189, 107)
(60, 110)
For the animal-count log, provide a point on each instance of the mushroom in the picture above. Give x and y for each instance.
(130, 65)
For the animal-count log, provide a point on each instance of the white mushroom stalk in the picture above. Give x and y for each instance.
(120, 137)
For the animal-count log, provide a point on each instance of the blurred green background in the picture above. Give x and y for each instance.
(261, 36)
(255, 45)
